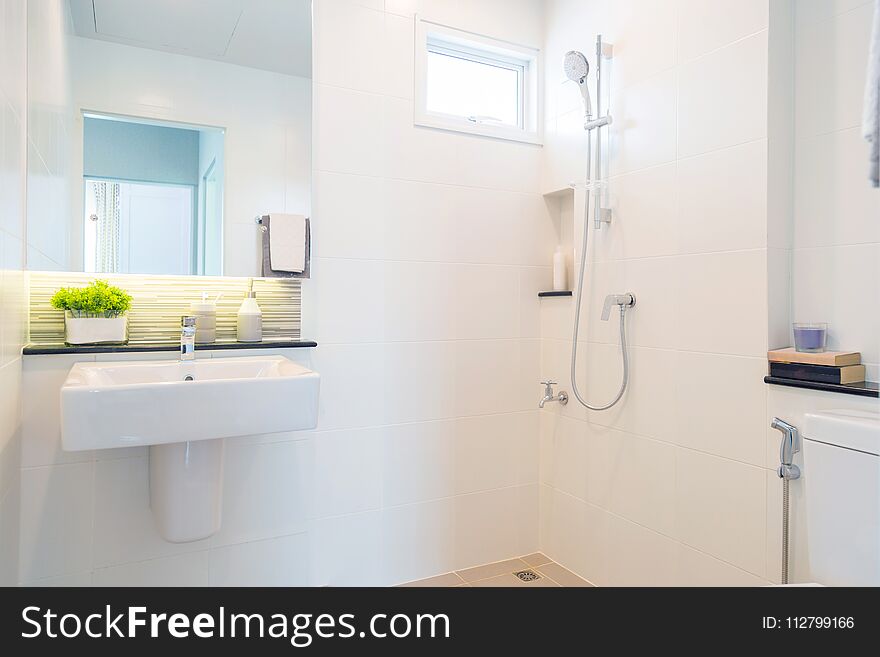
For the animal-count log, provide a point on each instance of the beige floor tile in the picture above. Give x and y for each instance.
(536, 559)
(447, 580)
(562, 576)
(511, 580)
(492, 569)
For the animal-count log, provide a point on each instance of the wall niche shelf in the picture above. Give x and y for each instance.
(554, 293)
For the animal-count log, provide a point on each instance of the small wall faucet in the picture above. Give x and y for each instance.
(623, 300)
(791, 445)
(187, 338)
(562, 397)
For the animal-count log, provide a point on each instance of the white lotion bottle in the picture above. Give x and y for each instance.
(560, 283)
(250, 319)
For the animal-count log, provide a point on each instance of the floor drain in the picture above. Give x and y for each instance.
(528, 575)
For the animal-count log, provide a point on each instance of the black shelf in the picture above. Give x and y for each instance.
(863, 389)
(554, 293)
(49, 349)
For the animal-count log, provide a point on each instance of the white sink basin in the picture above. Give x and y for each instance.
(107, 405)
(183, 411)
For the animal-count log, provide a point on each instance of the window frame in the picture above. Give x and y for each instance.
(525, 61)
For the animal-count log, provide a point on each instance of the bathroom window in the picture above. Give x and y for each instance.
(471, 83)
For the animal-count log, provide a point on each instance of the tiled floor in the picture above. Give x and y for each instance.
(501, 573)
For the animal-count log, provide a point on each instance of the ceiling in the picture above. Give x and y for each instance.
(274, 35)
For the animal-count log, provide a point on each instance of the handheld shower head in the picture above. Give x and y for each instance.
(576, 69)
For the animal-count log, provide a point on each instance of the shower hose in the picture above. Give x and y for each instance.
(577, 309)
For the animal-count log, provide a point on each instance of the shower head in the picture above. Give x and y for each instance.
(576, 66)
(576, 69)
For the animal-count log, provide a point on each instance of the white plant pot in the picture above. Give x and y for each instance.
(95, 330)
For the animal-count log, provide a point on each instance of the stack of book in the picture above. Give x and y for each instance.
(839, 367)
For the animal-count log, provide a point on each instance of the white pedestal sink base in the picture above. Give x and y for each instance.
(186, 489)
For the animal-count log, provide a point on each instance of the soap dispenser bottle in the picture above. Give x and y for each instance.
(205, 312)
(250, 318)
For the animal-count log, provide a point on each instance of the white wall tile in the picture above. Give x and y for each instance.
(349, 288)
(651, 322)
(696, 568)
(645, 207)
(723, 200)
(644, 35)
(349, 216)
(834, 205)
(830, 88)
(418, 462)
(723, 97)
(638, 556)
(495, 525)
(352, 385)
(721, 509)
(180, 570)
(76, 579)
(347, 471)
(348, 46)
(833, 284)
(728, 417)
(721, 305)
(642, 481)
(284, 561)
(348, 131)
(268, 490)
(341, 561)
(644, 129)
(704, 26)
(56, 520)
(398, 52)
(418, 540)
(10, 503)
(576, 534)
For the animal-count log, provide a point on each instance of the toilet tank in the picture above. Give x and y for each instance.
(841, 479)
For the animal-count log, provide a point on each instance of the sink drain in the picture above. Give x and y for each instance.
(188, 377)
(528, 575)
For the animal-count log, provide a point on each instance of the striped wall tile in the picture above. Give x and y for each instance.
(159, 302)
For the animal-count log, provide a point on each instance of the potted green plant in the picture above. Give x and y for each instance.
(94, 314)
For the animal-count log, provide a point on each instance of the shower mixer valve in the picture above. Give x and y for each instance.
(625, 301)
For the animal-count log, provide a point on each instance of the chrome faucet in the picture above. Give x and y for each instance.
(562, 397)
(187, 338)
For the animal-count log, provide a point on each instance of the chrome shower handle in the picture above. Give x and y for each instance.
(623, 300)
(791, 445)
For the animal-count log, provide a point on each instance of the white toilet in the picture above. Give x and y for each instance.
(841, 479)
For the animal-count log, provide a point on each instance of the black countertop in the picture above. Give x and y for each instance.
(49, 349)
(863, 389)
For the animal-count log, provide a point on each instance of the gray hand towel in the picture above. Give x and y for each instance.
(871, 123)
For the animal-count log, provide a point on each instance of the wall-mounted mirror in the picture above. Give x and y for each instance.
(173, 126)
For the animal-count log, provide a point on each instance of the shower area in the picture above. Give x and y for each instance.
(674, 179)
(672, 485)
(698, 200)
